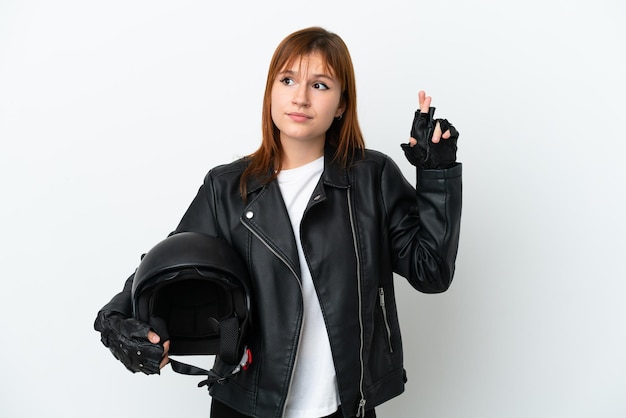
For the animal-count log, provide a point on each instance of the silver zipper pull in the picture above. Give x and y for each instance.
(381, 293)
(361, 411)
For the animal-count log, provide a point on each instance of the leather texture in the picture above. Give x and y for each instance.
(363, 224)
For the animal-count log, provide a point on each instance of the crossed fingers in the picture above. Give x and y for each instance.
(424, 103)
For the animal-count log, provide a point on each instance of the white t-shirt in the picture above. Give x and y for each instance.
(313, 390)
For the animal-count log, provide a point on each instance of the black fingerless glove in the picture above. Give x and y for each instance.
(127, 338)
(426, 154)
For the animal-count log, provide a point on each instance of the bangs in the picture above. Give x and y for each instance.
(296, 61)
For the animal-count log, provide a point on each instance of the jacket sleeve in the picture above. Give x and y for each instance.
(425, 227)
(121, 302)
(198, 217)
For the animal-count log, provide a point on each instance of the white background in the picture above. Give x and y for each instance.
(112, 112)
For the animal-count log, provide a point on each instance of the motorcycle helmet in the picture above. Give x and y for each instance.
(194, 290)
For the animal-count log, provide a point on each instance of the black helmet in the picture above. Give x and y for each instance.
(194, 290)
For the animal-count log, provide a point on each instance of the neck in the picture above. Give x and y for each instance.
(297, 154)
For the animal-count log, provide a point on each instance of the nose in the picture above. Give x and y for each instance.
(301, 96)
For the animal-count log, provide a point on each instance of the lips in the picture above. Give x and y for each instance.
(298, 117)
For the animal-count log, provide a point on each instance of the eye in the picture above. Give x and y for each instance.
(287, 81)
(320, 86)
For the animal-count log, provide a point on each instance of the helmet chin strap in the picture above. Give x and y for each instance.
(229, 331)
(212, 376)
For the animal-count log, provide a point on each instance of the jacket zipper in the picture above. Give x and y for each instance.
(361, 409)
(381, 295)
(281, 258)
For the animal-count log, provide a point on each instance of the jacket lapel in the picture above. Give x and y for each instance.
(267, 218)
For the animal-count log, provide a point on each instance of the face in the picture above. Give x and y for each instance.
(305, 99)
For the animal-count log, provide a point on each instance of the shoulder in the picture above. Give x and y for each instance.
(227, 172)
(373, 160)
(375, 156)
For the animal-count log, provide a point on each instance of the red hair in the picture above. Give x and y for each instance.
(344, 133)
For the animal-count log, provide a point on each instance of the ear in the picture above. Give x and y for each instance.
(340, 110)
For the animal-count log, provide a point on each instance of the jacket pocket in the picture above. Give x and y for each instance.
(383, 310)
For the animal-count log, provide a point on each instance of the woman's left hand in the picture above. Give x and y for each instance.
(432, 144)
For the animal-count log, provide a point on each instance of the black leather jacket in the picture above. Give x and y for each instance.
(361, 225)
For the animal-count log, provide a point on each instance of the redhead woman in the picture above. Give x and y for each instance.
(322, 224)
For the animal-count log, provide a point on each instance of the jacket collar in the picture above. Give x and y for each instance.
(334, 174)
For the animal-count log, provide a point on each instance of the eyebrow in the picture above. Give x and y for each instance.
(322, 75)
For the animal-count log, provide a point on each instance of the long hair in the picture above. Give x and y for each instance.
(344, 133)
